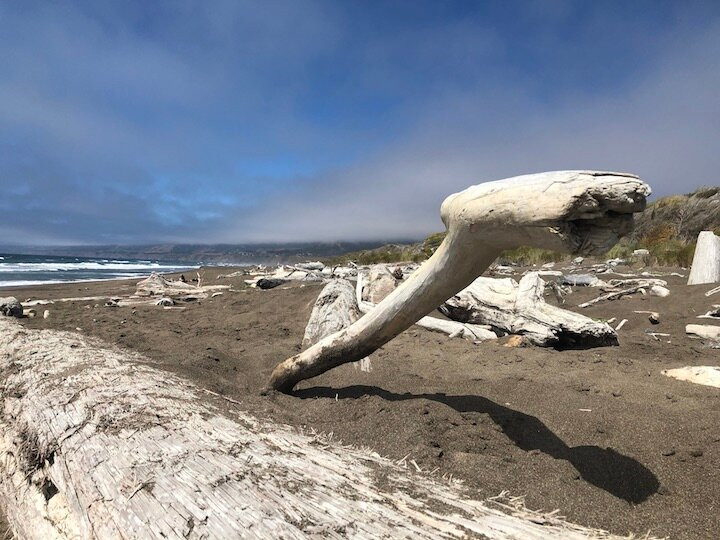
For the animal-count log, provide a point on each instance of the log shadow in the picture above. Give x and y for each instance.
(605, 468)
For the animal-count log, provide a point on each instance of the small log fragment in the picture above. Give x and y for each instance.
(705, 375)
(706, 261)
(520, 308)
(712, 291)
(703, 331)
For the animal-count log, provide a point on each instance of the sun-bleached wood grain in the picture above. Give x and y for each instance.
(706, 260)
(520, 308)
(335, 308)
(583, 212)
(96, 442)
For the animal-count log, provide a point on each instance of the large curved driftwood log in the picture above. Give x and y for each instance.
(97, 443)
(572, 211)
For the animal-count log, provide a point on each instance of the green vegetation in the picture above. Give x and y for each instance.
(431, 243)
(664, 251)
(667, 229)
(527, 256)
(385, 254)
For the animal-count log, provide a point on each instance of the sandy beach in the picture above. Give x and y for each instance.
(599, 434)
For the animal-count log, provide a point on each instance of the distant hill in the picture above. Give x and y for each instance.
(679, 217)
(206, 254)
(667, 228)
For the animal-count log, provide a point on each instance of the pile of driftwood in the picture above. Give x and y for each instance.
(154, 290)
(265, 278)
(486, 309)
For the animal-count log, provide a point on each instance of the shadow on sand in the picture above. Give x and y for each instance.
(605, 468)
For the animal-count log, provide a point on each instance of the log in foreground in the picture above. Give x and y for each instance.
(582, 212)
(521, 309)
(98, 443)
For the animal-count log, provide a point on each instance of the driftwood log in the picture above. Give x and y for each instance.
(706, 260)
(335, 308)
(472, 332)
(340, 304)
(703, 331)
(572, 211)
(512, 308)
(99, 443)
(705, 375)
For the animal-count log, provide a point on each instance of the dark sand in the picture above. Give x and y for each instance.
(645, 457)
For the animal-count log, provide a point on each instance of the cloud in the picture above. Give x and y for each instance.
(662, 127)
(288, 121)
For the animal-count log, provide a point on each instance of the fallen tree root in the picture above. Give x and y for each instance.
(98, 443)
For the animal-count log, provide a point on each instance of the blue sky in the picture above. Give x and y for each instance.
(231, 121)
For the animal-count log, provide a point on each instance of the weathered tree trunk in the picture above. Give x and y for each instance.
(572, 211)
(513, 308)
(335, 308)
(98, 443)
(706, 261)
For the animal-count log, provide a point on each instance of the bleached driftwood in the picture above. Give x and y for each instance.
(645, 283)
(714, 313)
(571, 211)
(658, 290)
(283, 274)
(335, 308)
(472, 332)
(512, 308)
(706, 260)
(706, 375)
(379, 283)
(157, 285)
(703, 331)
(98, 443)
(712, 291)
(612, 296)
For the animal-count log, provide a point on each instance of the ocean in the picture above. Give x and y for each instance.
(16, 270)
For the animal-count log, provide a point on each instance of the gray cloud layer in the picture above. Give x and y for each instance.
(112, 130)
